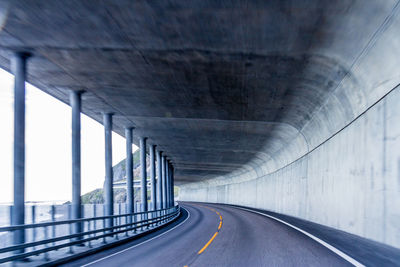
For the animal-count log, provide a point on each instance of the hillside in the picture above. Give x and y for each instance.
(97, 196)
(120, 170)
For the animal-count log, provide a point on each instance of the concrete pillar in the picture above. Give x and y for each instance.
(172, 186)
(159, 181)
(143, 173)
(108, 190)
(19, 71)
(167, 187)
(153, 177)
(129, 171)
(76, 212)
(163, 181)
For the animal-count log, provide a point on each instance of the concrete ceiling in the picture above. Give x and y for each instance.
(218, 85)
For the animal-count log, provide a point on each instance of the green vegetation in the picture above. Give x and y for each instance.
(94, 197)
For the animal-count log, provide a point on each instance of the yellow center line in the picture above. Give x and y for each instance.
(208, 243)
(213, 237)
(216, 233)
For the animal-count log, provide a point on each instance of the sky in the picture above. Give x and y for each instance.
(48, 146)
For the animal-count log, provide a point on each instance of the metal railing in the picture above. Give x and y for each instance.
(94, 228)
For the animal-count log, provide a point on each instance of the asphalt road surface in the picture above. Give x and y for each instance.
(217, 235)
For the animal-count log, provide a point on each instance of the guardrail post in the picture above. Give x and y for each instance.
(141, 222)
(70, 227)
(94, 216)
(53, 218)
(133, 223)
(82, 225)
(88, 228)
(33, 216)
(10, 212)
(126, 222)
(119, 213)
(128, 218)
(46, 256)
(104, 223)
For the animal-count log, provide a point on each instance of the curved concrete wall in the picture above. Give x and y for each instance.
(342, 169)
(351, 182)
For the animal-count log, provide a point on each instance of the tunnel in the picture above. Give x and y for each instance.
(284, 106)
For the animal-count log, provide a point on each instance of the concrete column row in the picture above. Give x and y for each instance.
(161, 181)
(160, 175)
(161, 192)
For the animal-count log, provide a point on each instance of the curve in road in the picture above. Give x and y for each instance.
(219, 235)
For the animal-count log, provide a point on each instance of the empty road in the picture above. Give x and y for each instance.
(243, 239)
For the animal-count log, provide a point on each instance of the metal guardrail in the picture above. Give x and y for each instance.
(109, 226)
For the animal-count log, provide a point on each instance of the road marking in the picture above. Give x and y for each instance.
(208, 243)
(148, 240)
(330, 247)
(216, 233)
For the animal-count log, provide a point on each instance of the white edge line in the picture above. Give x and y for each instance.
(330, 247)
(148, 240)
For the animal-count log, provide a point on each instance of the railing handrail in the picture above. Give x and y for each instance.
(65, 237)
(34, 225)
(80, 241)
